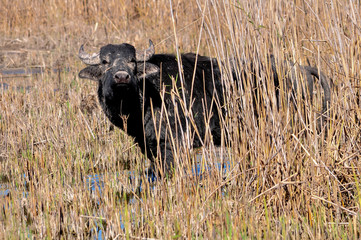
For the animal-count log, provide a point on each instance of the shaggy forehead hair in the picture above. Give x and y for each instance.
(123, 50)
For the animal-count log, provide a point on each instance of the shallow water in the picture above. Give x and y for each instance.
(5, 86)
(10, 72)
(14, 78)
(95, 184)
(24, 72)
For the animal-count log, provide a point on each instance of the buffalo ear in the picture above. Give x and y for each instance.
(146, 70)
(92, 72)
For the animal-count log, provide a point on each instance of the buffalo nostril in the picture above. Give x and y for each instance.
(121, 77)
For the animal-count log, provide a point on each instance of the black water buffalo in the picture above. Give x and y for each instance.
(142, 93)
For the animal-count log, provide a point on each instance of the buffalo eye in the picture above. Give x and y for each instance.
(104, 62)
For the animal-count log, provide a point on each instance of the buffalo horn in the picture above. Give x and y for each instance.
(142, 56)
(87, 58)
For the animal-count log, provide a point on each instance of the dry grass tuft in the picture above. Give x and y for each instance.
(286, 179)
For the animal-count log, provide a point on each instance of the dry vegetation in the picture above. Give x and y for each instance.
(287, 180)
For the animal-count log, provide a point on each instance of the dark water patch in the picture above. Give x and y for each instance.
(95, 184)
(4, 190)
(27, 72)
(10, 77)
(5, 87)
(11, 72)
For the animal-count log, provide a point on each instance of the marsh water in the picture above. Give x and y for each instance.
(95, 184)
(15, 78)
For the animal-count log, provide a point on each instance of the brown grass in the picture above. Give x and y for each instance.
(287, 180)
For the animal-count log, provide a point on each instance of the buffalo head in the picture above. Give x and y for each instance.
(117, 66)
(120, 71)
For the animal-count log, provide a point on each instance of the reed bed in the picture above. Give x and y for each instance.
(64, 170)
